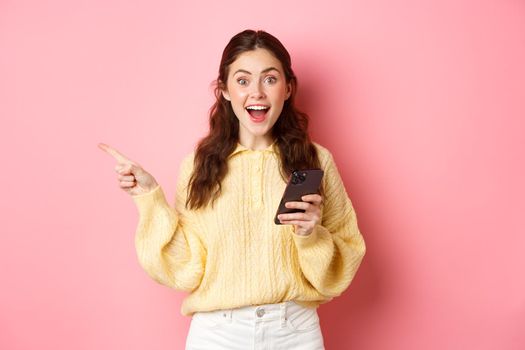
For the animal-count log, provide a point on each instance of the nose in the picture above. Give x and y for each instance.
(258, 91)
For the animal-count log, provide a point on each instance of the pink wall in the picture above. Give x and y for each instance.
(421, 102)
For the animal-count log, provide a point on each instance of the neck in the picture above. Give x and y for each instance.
(256, 143)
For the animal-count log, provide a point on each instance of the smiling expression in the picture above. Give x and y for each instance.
(257, 88)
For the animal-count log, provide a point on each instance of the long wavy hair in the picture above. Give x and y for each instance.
(290, 131)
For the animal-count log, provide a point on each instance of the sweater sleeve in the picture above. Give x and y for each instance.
(167, 247)
(330, 256)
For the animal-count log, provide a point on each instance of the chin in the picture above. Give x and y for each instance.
(259, 132)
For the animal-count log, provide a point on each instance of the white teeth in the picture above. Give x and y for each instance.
(257, 108)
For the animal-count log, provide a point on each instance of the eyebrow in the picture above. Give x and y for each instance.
(263, 71)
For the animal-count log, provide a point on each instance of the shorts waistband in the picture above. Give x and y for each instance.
(261, 312)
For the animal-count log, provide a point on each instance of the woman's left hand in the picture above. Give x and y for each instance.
(304, 222)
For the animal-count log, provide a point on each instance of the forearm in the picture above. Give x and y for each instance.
(330, 260)
(165, 248)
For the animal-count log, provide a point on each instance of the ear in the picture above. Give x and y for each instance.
(226, 95)
(288, 90)
(224, 91)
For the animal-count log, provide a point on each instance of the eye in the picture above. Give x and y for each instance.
(271, 80)
(242, 81)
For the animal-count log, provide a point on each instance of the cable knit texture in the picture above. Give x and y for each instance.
(233, 254)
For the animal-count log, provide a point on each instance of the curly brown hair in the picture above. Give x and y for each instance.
(290, 131)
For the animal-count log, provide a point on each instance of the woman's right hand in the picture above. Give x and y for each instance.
(132, 178)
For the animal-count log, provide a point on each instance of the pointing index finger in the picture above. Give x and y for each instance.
(114, 153)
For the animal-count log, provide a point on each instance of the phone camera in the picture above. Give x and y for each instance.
(298, 177)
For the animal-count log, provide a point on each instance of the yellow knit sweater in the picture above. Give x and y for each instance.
(234, 255)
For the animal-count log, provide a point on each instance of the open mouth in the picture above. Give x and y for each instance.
(257, 112)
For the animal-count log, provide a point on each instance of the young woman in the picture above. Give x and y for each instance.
(252, 284)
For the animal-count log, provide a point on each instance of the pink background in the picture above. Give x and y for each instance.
(422, 104)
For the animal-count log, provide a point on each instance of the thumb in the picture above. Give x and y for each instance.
(130, 168)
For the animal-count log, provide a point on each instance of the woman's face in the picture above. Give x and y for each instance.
(257, 89)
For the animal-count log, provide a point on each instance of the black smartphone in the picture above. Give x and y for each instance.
(302, 182)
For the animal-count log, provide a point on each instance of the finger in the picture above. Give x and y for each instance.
(292, 222)
(114, 153)
(126, 178)
(298, 223)
(129, 169)
(127, 184)
(123, 169)
(297, 205)
(135, 170)
(119, 168)
(312, 198)
(293, 216)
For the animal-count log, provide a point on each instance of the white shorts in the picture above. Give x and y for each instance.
(285, 326)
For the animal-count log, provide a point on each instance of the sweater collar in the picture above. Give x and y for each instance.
(240, 148)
